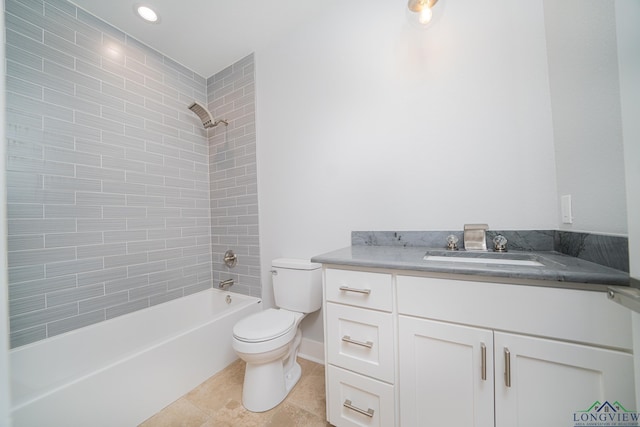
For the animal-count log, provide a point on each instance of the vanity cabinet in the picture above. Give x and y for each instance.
(413, 350)
(455, 375)
(447, 376)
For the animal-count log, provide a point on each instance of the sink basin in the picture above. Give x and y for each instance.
(516, 259)
(502, 261)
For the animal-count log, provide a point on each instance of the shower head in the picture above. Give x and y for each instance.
(205, 116)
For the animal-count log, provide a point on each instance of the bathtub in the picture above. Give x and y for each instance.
(122, 371)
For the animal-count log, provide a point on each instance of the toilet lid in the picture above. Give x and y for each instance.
(263, 326)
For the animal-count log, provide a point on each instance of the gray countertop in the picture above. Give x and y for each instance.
(558, 270)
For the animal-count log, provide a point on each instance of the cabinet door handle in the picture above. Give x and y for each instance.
(369, 412)
(483, 354)
(359, 291)
(507, 367)
(348, 339)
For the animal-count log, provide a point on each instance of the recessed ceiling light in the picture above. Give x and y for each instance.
(147, 13)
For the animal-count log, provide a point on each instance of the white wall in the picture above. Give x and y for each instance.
(365, 123)
(585, 99)
(4, 286)
(628, 16)
(628, 35)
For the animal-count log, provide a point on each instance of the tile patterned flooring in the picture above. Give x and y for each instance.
(217, 402)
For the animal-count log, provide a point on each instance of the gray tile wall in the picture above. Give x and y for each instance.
(108, 174)
(232, 163)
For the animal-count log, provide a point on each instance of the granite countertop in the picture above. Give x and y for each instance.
(558, 270)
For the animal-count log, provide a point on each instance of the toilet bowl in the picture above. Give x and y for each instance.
(269, 341)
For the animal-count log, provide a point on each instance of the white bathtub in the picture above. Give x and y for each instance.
(122, 371)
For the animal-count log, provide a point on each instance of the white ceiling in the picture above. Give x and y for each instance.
(207, 35)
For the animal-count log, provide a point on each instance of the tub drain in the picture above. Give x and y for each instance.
(228, 299)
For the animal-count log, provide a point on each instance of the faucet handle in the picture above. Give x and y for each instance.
(500, 243)
(452, 242)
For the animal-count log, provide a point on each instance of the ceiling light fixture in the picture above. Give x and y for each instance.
(422, 11)
(147, 13)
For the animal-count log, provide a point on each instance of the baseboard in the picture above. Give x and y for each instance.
(312, 350)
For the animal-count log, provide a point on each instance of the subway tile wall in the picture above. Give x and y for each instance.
(108, 174)
(234, 191)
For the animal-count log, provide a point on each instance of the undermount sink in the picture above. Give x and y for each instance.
(516, 259)
(503, 261)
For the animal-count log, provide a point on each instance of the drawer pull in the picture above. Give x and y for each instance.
(348, 339)
(359, 291)
(369, 412)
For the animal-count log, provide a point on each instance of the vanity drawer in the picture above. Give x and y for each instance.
(360, 340)
(354, 400)
(363, 289)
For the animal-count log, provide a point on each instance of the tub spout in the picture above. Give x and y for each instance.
(225, 284)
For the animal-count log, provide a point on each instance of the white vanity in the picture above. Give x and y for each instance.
(410, 347)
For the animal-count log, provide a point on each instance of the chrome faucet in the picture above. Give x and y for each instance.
(475, 237)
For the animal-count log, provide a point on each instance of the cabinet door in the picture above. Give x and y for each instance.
(542, 382)
(446, 374)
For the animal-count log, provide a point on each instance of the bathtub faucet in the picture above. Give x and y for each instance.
(225, 284)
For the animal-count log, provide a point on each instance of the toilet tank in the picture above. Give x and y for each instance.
(297, 284)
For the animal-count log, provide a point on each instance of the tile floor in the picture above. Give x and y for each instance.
(217, 402)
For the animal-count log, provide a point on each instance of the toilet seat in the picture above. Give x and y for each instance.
(264, 326)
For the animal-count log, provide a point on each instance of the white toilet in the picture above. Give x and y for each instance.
(269, 341)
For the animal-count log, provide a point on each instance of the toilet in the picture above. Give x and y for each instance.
(269, 341)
